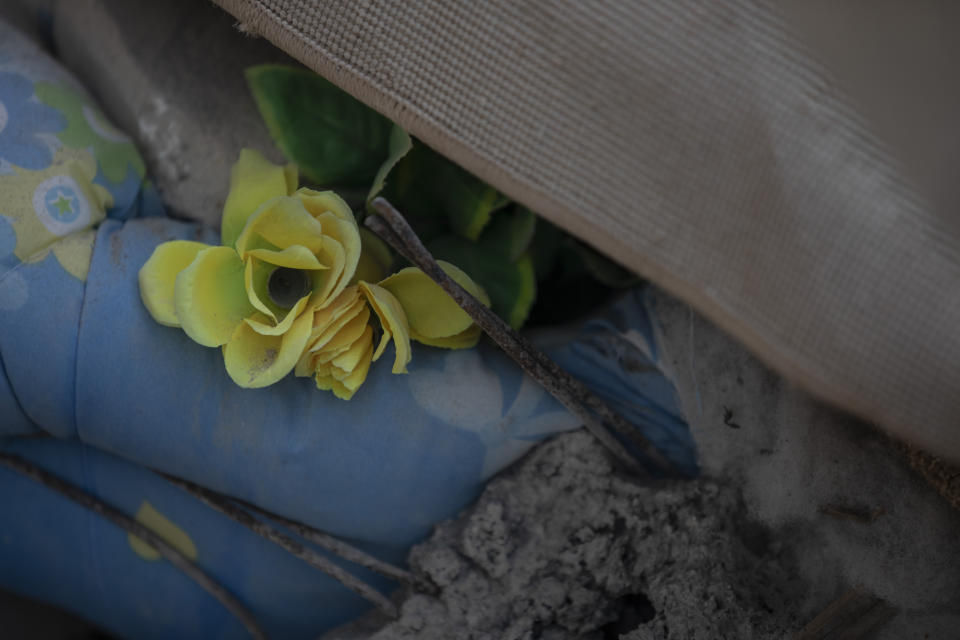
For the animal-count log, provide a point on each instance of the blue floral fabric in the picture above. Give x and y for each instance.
(82, 360)
(23, 120)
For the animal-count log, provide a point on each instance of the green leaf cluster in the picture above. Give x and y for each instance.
(339, 143)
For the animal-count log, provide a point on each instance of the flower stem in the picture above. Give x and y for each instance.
(571, 393)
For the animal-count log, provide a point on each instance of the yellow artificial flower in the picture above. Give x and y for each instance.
(288, 290)
(408, 305)
(285, 253)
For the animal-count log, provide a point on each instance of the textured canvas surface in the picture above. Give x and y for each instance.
(695, 142)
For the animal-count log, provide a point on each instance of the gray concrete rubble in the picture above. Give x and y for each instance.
(171, 75)
(797, 506)
(565, 546)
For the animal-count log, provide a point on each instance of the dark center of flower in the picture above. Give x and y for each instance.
(286, 286)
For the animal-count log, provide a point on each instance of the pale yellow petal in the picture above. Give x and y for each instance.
(323, 359)
(255, 277)
(324, 371)
(338, 223)
(325, 382)
(320, 202)
(329, 284)
(393, 322)
(210, 298)
(375, 258)
(270, 328)
(254, 360)
(253, 181)
(359, 373)
(348, 386)
(349, 333)
(294, 257)
(357, 310)
(430, 311)
(347, 361)
(466, 339)
(280, 223)
(328, 313)
(159, 274)
(305, 365)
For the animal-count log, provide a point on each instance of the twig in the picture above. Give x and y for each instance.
(853, 615)
(346, 551)
(130, 525)
(857, 514)
(942, 475)
(572, 394)
(311, 557)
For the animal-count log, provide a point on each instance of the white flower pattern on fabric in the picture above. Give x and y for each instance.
(60, 205)
(468, 395)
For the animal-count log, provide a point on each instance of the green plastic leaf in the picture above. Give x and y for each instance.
(334, 139)
(400, 145)
(511, 286)
(469, 202)
(430, 186)
(510, 232)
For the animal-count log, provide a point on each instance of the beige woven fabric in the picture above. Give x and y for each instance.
(692, 141)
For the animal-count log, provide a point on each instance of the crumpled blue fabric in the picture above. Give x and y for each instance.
(617, 356)
(81, 361)
(381, 470)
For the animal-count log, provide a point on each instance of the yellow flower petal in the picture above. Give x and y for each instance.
(375, 258)
(159, 273)
(346, 362)
(256, 280)
(254, 360)
(320, 202)
(344, 385)
(392, 321)
(294, 257)
(255, 277)
(359, 374)
(466, 339)
(326, 382)
(357, 309)
(338, 222)
(253, 181)
(336, 307)
(270, 328)
(348, 334)
(280, 223)
(329, 284)
(210, 298)
(429, 310)
(305, 365)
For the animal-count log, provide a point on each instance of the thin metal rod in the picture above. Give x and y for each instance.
(571, 393)
(225, 506)
(122, 520)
